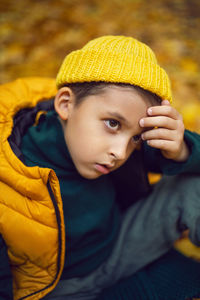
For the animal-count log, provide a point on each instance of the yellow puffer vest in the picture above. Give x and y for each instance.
(31, 215)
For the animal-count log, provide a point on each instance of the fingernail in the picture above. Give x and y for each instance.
(149, 111)
(165, 102)
(142, 122)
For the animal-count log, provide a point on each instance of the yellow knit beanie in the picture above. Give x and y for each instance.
(116, 59)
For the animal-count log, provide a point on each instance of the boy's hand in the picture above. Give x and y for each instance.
(166, 131)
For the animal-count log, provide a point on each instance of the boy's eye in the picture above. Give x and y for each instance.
(112, 124)
(136, 138)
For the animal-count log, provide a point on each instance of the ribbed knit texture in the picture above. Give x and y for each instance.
(116, 59)
(172, 277)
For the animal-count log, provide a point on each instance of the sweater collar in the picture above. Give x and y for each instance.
(44, 145)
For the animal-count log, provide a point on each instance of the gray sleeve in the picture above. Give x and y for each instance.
(151, 226)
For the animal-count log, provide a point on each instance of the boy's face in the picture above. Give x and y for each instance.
(103, 130)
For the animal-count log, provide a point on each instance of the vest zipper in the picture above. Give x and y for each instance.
(59, 240)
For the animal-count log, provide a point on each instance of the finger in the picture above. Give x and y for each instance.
(159, 121)
(165, 102)
(164, 145)
(168, 111)
(159, 133)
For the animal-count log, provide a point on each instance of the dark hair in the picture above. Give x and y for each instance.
(82, 90)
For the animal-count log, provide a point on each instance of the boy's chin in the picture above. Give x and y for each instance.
(88, 174)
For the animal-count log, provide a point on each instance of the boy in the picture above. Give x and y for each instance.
(77, 212)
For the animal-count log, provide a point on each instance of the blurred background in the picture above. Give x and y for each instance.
(35, 36)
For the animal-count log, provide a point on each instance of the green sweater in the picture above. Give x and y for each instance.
(171, 277)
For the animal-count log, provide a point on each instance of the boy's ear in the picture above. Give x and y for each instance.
(64, 102)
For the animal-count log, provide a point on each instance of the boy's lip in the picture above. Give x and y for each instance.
(103, 168)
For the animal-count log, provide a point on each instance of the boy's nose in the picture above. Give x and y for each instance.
(119, 151)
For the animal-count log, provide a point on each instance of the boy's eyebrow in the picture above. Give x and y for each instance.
(120, 117)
